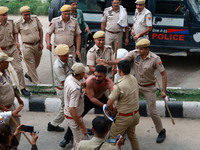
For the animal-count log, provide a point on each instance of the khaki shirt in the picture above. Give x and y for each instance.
(7, 94)
(29, 31)
(73, 95)
(64, 32)
(95, 53)
(125, 92)
(94, 144)
(111, 17)
(61, 71)
(145, 69)
(7, 33)
(142, 20)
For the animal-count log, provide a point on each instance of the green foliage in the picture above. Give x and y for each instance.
(37, 7)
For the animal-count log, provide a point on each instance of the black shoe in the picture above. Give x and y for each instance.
(63, 143)
(28, 77)
(53, 128)
(161, 136)
(25, 92)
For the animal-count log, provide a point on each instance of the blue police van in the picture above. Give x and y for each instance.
(176, 23)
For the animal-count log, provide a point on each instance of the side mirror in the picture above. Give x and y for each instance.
(158, 19)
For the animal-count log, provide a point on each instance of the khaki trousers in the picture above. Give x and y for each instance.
(111, 39)
(16, 64)
(32, 56)
(76, 130)
(126, 124)
(150, 96)
(60, 117)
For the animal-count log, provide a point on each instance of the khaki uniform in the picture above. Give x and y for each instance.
(94, 144)
(64, 32)
(30, 37)
(114, 32)
(125, 92)
(7, 97)
(95, 53)
(144, 73)
(61, 71)
(73, 97)
(142, 20)
(7, 45)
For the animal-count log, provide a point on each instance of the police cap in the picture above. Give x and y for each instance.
(24, 9)
(3, 10)
(78, 68)
(99, 34)
(143, 43)
(65, 8)
(140, 1)
(62, 49)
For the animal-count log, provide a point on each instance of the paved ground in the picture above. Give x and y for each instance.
(184, 135)
(181, 71)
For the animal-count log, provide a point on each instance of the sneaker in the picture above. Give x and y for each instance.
(28, 77)
(161, 136)
(53, 128)
(25, 92)
(63, 143)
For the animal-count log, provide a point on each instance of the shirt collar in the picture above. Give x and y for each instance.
(62, 63)
(124, 77)
(97, 48)
(23, 21)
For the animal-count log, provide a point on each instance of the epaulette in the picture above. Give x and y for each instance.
(108, 8)
(57, 18)
(18, 20)
(154, 55)
(108, 46)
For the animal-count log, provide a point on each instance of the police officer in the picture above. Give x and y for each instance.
(61, 68)
(114, 31)
(7, 92)
(65, 29)
(145, 64)
(142, 21)
(126, 93)
(9, 45)
(74, 102)
(99, 51)
(100, 128)
(30, 29)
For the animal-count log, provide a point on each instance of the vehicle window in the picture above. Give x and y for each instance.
(129, 5)
(89, 5)
(170, 7)
(195, 6)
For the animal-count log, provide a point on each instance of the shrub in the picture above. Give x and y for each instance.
(37, 7)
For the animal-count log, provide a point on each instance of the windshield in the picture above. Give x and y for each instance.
(195, 7)
(89, 5)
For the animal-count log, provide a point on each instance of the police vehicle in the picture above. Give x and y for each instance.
(176, 23)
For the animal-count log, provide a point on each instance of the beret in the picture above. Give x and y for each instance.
(65, 8)
(62, 49)
(140, 1)
(143, 43)
(24, 9)
(3, 10)
(99, 34)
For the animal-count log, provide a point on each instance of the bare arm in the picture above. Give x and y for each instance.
(18, 98)
(48, 41)
(164, 83)
(78, 45)
(76, 118)
(103, 26)
(92, 68)
(127, 35)
(17, 41)
(111, 62)
(41, 39)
